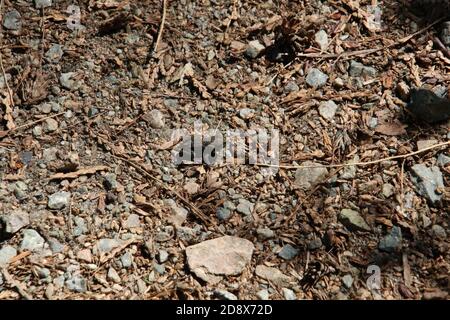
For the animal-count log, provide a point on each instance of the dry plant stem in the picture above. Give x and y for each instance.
(161, 29)
(350, 54)
(13, 283)
(403, 156)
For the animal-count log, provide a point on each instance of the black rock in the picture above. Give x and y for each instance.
(428, 107)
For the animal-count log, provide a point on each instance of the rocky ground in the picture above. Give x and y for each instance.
(92, 205)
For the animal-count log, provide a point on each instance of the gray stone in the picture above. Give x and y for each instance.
(6, 254)
(291, 86)
(110, 181)
(12, 20)
(357, 69)
(43, 272)
(353, 220)
(392, 241)
(55, 53)
(224, 295)
(80, 226)
(50, 125)
(321, 38)
(263, 294)
(59, 200)
(347, 280)
(178, 215)
(443, 160)
(156, 119)
(265, 233)
(163, 255)
(224, 256)
(105, 245)
(316, 78)
(159, 268)
(439, 232)
(246, 113)
(314, 244)
(289, 294)
(288, 252)
(76, 283)
(223, 214)
(67, 82)
(14, 221)
(113, 275)
(388, 190)
(32, 241)
(328, 109)
(55, 245)
(245, 207)
(428, 181)
(133, 221)
(42, 3)
(307, 178)
(186, 234)
(349, 172)
(254, 48)
(126, 259)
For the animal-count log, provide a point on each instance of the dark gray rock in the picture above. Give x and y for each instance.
(288, 252)
(392, 241)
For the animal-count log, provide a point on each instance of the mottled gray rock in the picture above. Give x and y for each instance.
(163, 255)
(321, 38)
(177, 215)
(357, 69)
(291, 86)
(245, 207)
(307, 178)
(288, 252)
(224, 256)
(113, 275)
(388, 190)
(43, 272)
(265, 233)
(349, 172)
(392, 241)
(156, 119)
(55, 245)
(428, 182)
(6, 254)
(110, 181)
(12, 20)
(439, 232)
(14, 221)
(32, 241)
(246, 113)
(224, 295)
(159, 268)
(314, 244)
(223, 214)
(254, 48)
(105, 245)
(273, 274)
(67, 81)
(133, 221)
(76, 283)
(59, 200)
(50, 125)
(328, 109)
(289, 294)
(316, 78)
(187, 234)
(443, 160)
(126, 259)
(2, 80)
(353, 220)
(20, 190)
(55, 53)
(263, 294)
